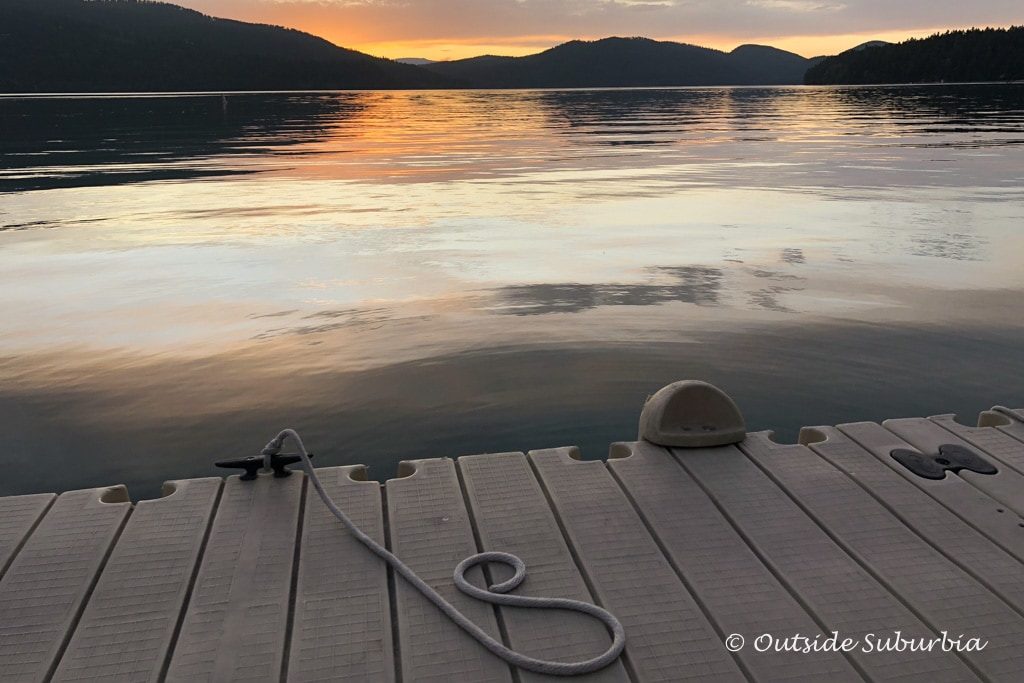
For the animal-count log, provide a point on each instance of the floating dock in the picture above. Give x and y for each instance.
(231, 580)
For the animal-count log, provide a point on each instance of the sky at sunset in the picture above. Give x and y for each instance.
(453, 29)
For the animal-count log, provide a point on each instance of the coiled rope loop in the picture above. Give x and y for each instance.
(496, 594)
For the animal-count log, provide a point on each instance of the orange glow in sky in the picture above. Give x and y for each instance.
(456, 48)
(456, 29)
(442, 49)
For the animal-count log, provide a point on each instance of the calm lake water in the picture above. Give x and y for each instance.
(421, 274)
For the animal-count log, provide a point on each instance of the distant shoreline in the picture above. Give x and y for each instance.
(212, 93)
(76, 48)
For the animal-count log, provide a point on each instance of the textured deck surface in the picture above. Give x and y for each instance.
(225, 580)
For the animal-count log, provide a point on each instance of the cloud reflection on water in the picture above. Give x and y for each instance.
(421, 274)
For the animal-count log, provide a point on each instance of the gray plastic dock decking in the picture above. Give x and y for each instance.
(232, 580)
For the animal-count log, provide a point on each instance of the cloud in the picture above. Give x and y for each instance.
(798, 5)
(376, 21)
(342, 3)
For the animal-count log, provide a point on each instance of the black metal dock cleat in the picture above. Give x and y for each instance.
(254, 463)
(950, 457)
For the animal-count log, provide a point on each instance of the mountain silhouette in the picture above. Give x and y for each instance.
(612, 62)
(138, 46)
(870, 43)
(126, 45)
(991, 54)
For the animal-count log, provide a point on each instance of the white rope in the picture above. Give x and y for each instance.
(496, 594)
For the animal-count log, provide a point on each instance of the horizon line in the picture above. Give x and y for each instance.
(857, 40)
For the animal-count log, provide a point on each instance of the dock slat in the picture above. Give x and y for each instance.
(995, 442)
(740, 593)
(1014, 429)
(945, 597)
(512, 515)
(974, 506)
(431, 532)
(830, 582)
(257, 581)
(1006, 486)
(668, 636)
(139, 597)
(1019, 414)
(998, 567)
(43, 591)
(235, 623)
(18, 516)
(342, 621)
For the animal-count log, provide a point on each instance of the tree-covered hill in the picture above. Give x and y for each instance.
(132, 45)
(612, 62)
(991, 54)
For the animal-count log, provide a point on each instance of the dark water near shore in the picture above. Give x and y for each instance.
(422, 274)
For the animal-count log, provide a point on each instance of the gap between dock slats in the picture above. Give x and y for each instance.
(937, 590)
(1014, 425)
(669, 637)
(996, 565)
(740, 592)
(342, 613)
(999, 444)
(831, 583)
(19, 516)
(128, 625)
(981, 511)
(510, 514)
(1006, 486)
(48, 582)
(431, 532)
(235, 623)
(684, 546)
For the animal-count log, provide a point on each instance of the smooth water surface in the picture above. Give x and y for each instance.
(404, 275)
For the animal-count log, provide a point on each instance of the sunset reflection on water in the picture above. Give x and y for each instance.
(417, 274)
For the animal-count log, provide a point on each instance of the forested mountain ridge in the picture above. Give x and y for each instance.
(615, 61)
(130, 45)
(990, 54)
(139, 45)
